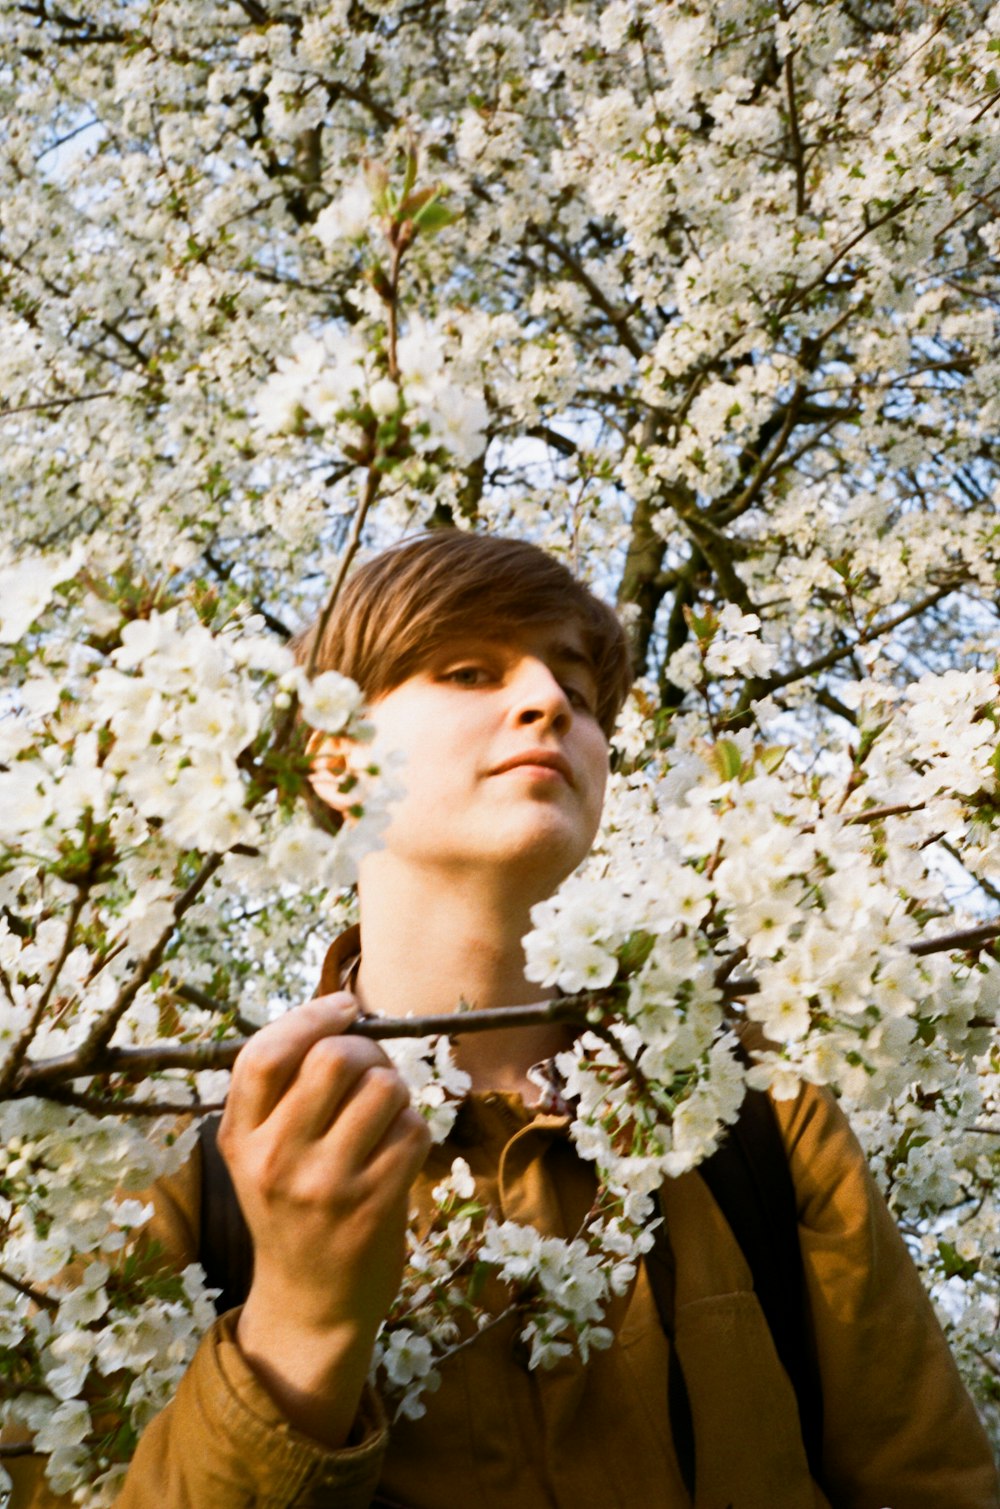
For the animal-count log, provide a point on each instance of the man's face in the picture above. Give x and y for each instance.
(502, 760)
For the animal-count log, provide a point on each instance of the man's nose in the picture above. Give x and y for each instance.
(539, 698)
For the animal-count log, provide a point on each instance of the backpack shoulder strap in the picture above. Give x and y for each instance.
(750, 1181)
(225, 1246)
(749, 1178)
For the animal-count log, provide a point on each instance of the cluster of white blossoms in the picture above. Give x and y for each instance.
(106, 1327)
(724, 647)
(142, 775)
(333, 377)
(437, 1086)
(467, 1272)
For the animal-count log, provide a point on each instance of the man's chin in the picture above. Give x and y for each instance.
(548, 851)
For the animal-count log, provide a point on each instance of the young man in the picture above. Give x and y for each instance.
(497, 678)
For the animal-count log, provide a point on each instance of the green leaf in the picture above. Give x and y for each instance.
(377, 178)
(434, 217)
(772, 756)
(410, 177)
(411, 204)
(956, 1266)
(727, 759)
(634, 952)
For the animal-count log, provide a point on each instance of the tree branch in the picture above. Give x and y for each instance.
(105, 1105)
(209, 1003)
(44, 1301)
(614, 316)
(102, 1029)
(57, 403)
(796, 295)
(798, 155)
(823, 662)
(350, 550)
(576, 1010)
(973, 939)
(213, 1055)
(19, 1051)
(986, 886)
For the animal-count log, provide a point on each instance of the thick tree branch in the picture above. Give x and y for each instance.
(798, 153)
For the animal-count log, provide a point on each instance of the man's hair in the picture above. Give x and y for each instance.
(397, 609)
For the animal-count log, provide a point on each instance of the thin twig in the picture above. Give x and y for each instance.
(635, 1074)
(36, 1078)
(728, 964)
(798, 154)
(45, 1301)
(988, 1362)
(103, 1028)
(103, 1105)
(202, 998)
(876, 814)
(972, 938)
(987, 886)
(769, 684)
(350, 550)
(392, 310)
(614, 316)
(19, 1051)
(56, 403)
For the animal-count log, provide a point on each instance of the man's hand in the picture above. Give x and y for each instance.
(323, 1147)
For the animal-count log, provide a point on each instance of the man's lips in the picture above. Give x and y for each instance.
(550, 759)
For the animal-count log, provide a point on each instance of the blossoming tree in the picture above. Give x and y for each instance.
(701, 296)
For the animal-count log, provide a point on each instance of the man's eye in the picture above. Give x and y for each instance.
(579, 699)
(467, 675)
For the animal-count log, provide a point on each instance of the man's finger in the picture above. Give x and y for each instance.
(271, 1059)
(365, 1116)
(328, 1075)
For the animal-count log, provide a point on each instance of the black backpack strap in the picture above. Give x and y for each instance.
(749, 1179)
(660, 1273)
(225, 1246)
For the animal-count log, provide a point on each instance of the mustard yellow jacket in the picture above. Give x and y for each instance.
(899, 1428)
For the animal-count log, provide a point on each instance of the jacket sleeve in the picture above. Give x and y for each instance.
(899, 1427)
(222, 1443)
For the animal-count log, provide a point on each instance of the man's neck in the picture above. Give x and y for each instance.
(429, 945)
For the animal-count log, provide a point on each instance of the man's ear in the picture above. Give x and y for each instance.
(329, 770)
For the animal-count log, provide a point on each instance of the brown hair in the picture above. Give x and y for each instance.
(398, 608)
